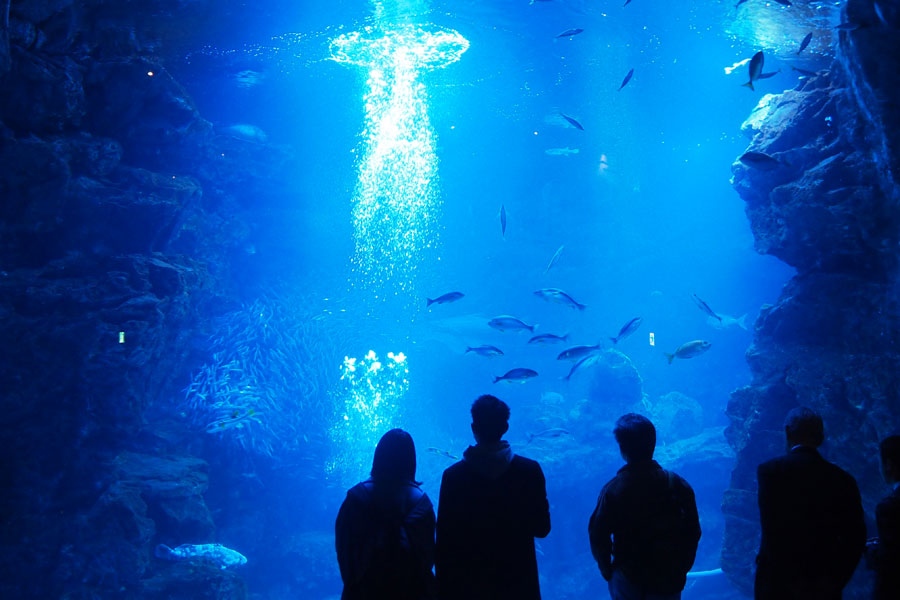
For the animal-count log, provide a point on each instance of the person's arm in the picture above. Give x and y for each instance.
(853, 542)
(692, 525)
(540, 516)
(347, 541)
(600, 535)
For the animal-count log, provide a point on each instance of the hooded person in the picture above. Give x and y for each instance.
(493, 504)
(384, 532)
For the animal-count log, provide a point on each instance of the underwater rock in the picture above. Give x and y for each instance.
(676, 417)
(193, 581)
(48, 96)
(615, 386)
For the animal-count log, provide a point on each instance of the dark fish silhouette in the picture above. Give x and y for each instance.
(448, 297)
(804, 72)
(627, 329)
(689, 350)
(784, 2)
(519, 375)
(627, 79)
(756, 67)
(739, 3)
(805, 42)
(627, 2)
(570, 32)
(760, 160)
(705, 307)
(485, 350)
(769, 74)
(503, 221)
(572, 122)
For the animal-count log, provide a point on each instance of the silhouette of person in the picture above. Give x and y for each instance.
(645, 530)
(384, 532)
(813, 526)
(883, 553)
(493, 504)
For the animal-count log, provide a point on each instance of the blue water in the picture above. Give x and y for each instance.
(644, 210)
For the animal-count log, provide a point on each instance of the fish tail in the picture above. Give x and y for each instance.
(669, 357)
(614, 340)
(749, 84)
(496, 379)
(429, 302)
(468, 349)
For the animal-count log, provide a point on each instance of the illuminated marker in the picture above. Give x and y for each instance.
(150, 73)
(121, 337)
(652, 339)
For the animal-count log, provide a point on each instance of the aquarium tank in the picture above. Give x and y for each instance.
(242, 240)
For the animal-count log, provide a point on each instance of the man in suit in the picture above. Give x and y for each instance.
(492, 505)
(813, 526)
(883, 553)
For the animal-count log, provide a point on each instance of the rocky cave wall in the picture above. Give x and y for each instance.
(121, 208)
(828, 205)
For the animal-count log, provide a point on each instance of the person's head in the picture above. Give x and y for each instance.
(490, 419)
(890, 458)
(395, 458)
(636, 437)
(803, 426)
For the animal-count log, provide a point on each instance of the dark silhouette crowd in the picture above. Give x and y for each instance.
(643, 533)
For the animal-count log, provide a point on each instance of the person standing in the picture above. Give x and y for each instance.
(645, 530)
(492, 505)
(812, 520)
(384, 532)
(883, 553)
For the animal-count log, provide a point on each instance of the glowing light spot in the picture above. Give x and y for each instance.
(121, 337)
(396, 201)
(150, 73)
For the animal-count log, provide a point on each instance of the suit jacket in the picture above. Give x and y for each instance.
(487, 522)
(887, 558)
(813, 527)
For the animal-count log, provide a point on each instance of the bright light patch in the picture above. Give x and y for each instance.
(396, 201)
(373, 390)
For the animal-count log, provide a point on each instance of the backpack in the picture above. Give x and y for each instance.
(393, 571)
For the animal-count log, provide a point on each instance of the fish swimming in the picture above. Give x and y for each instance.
(503, 221)
(553, 432)
(508, 323)
(726, 321)
(554, 259)
(627, 79)
(548, 338)
(760, 160)
(756, 67)
(488, 351)
(245, 132)
(804, 72)
(234, 421)
(805, 42)
(216, 553)
(557, 296)
(444, 299)
(518, 375)
(570, 32)
(627, 329)
(705, 307)
(572, 122)
(689, 350)
(561, 151)
(769, 74)
(586, 361)
(576, 353)
(443, 453)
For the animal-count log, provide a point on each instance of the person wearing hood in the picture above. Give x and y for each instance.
(492, 505)
(384, 532)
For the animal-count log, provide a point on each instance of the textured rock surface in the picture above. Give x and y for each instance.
(830, 207)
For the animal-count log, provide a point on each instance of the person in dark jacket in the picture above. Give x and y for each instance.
(493, 504)
(645, 530)
(883, 553)
(810, 511)
(384, 533)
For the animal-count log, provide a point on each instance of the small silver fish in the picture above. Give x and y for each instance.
(508, 323)
(705, 307)
(627, 329)
(627, 79)
(446, 298)
(576, 353)
(572, 122)
(488, 351)
(517, 375)
(548, 338)
(443, 453)
(557, 296)
(215, 553)
(554, 259)
(585, 361)
(553, 432)
(233, 421)
(689, 350)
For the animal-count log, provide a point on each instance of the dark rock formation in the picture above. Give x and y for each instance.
(827, 204)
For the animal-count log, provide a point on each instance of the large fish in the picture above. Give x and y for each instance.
(508, 323)
(689, 350)
(576, 353)
(488, 351)
(216, 553)
(627, 329)
(756, 67)
(570, 32)
(760, 160)
(557, 296)
(517, 375)
(705, 307)
(444, 299)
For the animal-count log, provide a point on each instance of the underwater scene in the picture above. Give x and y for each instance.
(243, 240)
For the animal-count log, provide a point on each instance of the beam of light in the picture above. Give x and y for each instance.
(372, 396)
(396, 201)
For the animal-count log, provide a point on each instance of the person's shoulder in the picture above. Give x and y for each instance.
(455, 470)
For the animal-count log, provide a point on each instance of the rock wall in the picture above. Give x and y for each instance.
(121, 211)
(827, 203)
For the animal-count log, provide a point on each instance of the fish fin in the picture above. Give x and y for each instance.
(742, 322)
(468, 349)
(614, 340)
(496, 379)
(669, 357)
(749, 84)
(428, 302)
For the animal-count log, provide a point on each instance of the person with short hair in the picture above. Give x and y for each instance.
(645, 530)
(883, 553)
(384, 532)
(493, 503)
(812, 520)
